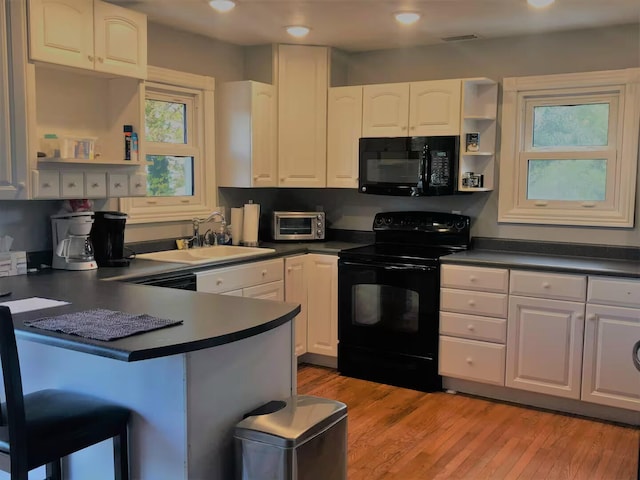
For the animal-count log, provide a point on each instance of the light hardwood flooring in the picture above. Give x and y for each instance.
(396, 433)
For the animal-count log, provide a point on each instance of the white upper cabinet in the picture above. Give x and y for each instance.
(120, 40)
(344, 129)
(88, 34)
(412, 109)
(302, 115)
(61, 31)
(247, 149)
(385, 110)
(434, 108)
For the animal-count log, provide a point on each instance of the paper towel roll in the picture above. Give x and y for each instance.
(250, 224)
(237, 221)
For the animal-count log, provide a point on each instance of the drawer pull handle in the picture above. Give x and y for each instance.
(117, 185)
(46, 185)
(219, 281)
(72, 185)
(469, 360)
(470, 327)
(95, 185)
(289, 269)
(546, 285)
(264, 272)
(472, 303)
(472, 278)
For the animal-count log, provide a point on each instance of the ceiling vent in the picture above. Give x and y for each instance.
(460, 38)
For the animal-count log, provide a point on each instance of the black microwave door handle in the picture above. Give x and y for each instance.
(426, 164)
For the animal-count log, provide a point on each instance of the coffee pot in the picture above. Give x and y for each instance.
(72, 247)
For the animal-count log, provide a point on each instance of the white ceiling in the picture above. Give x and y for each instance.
(359, 25)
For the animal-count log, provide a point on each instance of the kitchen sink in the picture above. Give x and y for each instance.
(206, 255)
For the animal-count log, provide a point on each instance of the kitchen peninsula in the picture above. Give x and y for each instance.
(187, 384)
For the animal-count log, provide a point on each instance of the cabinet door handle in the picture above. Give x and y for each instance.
(46, 185)
(289, 269)
(592, 318)
(72, 185)
(469, 360)
(264, 273)
(101, 60)
(579, 316)
(219, 281)
(117, 185)
(91, 58)
(95, 185)
(138, 185)
(256, 177)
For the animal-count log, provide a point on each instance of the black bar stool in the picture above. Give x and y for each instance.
(636, 362)
(42, 427)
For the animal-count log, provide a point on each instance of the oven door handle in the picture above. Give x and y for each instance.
(395, 268)
(407, 268)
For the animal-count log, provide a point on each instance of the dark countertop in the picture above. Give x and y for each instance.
(139, 268)
(563, 264)
(209, 320)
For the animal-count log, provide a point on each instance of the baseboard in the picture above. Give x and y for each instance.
(317, 359)
(542, 401)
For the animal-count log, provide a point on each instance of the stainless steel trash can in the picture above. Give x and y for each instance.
(303, 438)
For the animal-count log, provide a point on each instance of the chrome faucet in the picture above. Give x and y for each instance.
(198, 240)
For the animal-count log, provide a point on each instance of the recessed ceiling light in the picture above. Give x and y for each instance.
(407, 18)
(222, 5)
(298, 31)
(540, 3)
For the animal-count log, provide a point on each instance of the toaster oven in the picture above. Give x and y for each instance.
(298, 226)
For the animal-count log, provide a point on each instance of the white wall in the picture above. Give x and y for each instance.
(561, 52)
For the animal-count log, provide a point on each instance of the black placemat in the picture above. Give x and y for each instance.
(102, 324)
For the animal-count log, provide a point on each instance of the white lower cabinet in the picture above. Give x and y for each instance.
(544, 346)
(473, 326)
(296, 292)
(555, 344)
(268, 291)
(256, 280)
(312, 281)
(322, 302)
(608, 375)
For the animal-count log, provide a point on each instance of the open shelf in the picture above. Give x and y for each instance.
(489, 118)
(86, 161)
(478, 154)
(467, 189)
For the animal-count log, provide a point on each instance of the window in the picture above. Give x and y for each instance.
(177, 145)
(570, 149)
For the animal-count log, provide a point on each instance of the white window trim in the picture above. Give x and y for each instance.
(154, 210)
(618, 209)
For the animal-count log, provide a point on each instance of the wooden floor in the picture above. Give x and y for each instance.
(396, 433)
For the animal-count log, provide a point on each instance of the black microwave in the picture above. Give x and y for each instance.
(408, 166)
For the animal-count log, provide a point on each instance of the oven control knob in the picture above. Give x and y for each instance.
(364, 189)
(378, 221)
(449, 224)
(319, 217)
(460, 225)
(388, 220)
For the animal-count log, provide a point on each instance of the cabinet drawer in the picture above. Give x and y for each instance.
(548, 285)
(95, 184)
(472, 360)
(242, 276)
(137, 185)
(46, 184)
(475, 278)
(474, 303)
(118, 185)
(72, 184)
(473, 327)
(614, 291)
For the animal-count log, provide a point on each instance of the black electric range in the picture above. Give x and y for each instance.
(389, 298)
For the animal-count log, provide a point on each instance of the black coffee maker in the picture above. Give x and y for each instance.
(107, 236)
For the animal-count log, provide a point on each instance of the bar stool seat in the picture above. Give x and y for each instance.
(42, 427)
